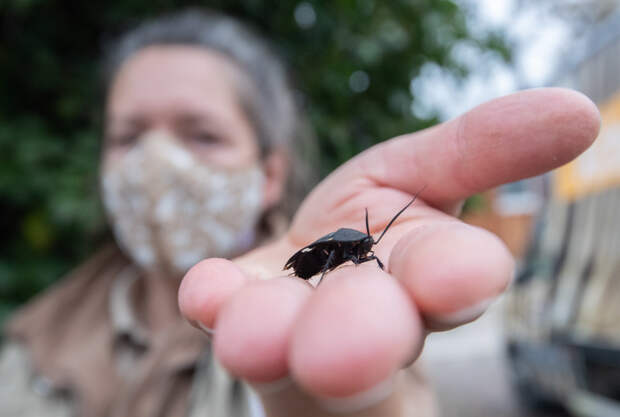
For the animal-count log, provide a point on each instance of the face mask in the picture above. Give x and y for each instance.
(169, 210)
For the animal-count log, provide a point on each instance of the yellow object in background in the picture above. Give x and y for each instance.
(599, 167)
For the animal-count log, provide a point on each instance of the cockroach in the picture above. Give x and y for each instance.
(336, 248)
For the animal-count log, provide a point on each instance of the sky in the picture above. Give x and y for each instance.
(540, 42)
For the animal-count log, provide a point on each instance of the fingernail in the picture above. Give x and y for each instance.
(210, 332)
(268, 388)
(450, 320)
(195, 323)
(359, 401)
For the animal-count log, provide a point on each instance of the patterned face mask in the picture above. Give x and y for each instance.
(169, 210)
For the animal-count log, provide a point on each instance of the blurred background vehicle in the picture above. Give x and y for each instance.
(562, 316)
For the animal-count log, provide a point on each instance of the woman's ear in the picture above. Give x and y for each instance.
(276, 167)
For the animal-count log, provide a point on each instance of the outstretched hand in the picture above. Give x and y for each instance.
(345, 342)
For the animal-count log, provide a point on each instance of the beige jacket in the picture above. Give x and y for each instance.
(81, 349)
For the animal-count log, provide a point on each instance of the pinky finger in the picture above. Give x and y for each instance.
(205, 288)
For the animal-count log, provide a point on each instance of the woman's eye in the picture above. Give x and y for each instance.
(121, 138)
(125, 139)
(205, 138)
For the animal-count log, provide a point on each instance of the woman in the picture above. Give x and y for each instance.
(199, 128)
(342, 348)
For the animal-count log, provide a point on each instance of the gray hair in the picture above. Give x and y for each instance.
(268, 99)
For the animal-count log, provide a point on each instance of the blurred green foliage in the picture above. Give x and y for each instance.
(50, 217)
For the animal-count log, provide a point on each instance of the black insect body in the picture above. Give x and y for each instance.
(336, 248)
(332, 250)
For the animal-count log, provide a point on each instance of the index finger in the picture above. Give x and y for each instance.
(510, 138)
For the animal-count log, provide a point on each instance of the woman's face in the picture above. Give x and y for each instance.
(188, 92)
(167, 216)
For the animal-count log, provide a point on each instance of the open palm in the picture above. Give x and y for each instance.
(345, 342)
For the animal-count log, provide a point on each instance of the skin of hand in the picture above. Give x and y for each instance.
(342, 347)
